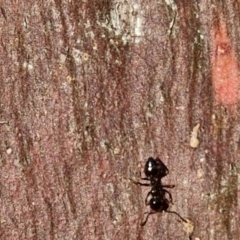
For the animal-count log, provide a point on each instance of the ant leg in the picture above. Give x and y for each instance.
(145, 179)
(139, 183)
(168, 186)
(144, 222)
(184, 220)
(146, 199)
(169, 194)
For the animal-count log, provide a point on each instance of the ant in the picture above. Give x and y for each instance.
(155, 170)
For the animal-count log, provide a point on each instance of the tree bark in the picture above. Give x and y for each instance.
(90, 90)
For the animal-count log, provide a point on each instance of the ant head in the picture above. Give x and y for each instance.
(158, 204)
(155, 168)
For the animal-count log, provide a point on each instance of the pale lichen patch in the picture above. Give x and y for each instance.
(194, 141)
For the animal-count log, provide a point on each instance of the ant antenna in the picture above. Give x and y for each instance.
(184, 220)
(149, 213)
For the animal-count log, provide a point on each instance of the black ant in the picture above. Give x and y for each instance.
(155, 170)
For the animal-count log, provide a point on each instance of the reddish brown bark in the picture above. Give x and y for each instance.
(90, 90)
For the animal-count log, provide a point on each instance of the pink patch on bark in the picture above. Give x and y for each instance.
(225, 75)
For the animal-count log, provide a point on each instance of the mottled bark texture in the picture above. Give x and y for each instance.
(91, 89)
